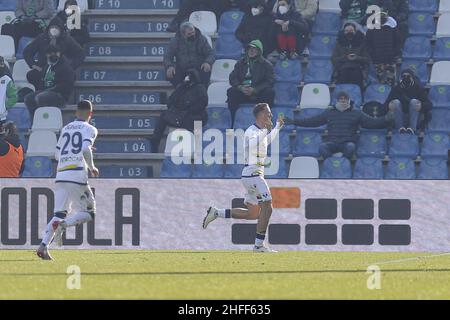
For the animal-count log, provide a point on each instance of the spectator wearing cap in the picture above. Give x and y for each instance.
(350, 57)
(252, 79)
(343, 123)
(256, 24)
(11, 151)
(408, 100)
(189, 49)
(384, 47)
(35, 53)
(54, 84)
(8, 90)
(289, 30)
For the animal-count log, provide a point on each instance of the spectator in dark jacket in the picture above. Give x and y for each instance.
(350, 57)
(185, 105)
(343, 123)
(256, 24)
(55, 35)
(252, 79)
(400, 12)
(55, 84)
(353, 10)
(384, 47)
(32, 17)
(80, 35)
(11, 151)
(308, 10)
(188, 50)
(408, 100)
(289, 30)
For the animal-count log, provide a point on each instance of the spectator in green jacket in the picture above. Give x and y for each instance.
(8, 91)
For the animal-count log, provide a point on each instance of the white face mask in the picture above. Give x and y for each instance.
(54, 32)
(255, 11)
(283, 9)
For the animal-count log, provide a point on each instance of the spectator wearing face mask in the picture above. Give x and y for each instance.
(408, 100)
(252, 79)
(55, 35)
(384, 47)
(11, 151)
(185, 105)
(56, 82)
(350, 57)
(343, 123)
(8, 91)
(32, 17)
(79, 35)
(256, 24)
(289, 30)
(189, 49)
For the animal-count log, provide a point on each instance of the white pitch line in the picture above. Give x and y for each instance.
(411, 259)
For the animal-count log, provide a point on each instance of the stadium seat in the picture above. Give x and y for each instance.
(368, 168)
(233, 171)
(421, 23)
(172, 170)
(309, 113)
(83, 4)
(37, 167)
(433, 169)
(315, 95)
(304, 168)
(23, 140)
(321, 46)
(435, 144)
(228, 47)
(442, 49)
(207, 171)
(221, 70)
(336, 168)
(440, 72)
(20, 71)
(42, 143)
(205, 21)
(440, 120)
(377, 92)
(217, 93)
(229, 21)
(283, 112)
(243, 118)
(444, 6)
(352, 90)
(419, 67)
(174, 138)
(443, 26)
(20, 116)
(218, 118)
(6, 17)
(281, 173)
(7, 47)
(284, 145)
(286, 93)
(372, 143)
(440, 96)
(288, 71)
(307, 143)
(430, 6)
(404, 145)
(400, 169)
(327, 23)
(417, 48)
(23, 42)
(8, 5)
(318, 71)
(47, 118)
(329, 6)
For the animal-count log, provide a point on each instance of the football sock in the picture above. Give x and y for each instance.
(78, 218)
(49, 232)
(224, 213)
(259, 240)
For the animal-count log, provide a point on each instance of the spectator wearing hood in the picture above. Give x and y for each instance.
(408, 100)
(384, 47)
(79, 35)
(343, 123)
(56, 82)
(185, 105)
(308, 10)
(11, 151)
(252, 79)
(289, 30)
(256, 24)
(353, 10)
(8, 91)
(350, 57)
(32, 17)
(55, 36)
(189, 49)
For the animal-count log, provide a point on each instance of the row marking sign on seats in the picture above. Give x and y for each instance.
(114, 97)
(128, 26)
(125, 50)
(137, 4)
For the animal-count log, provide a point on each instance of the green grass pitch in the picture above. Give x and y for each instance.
(110, 274)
